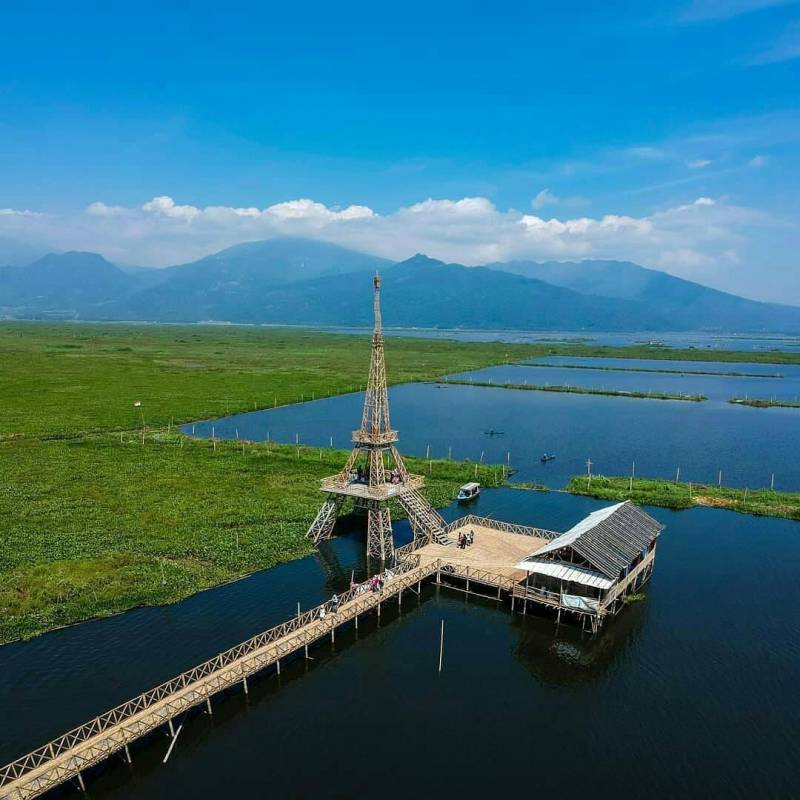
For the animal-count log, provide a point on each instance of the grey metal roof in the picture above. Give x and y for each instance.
(610, 538)
(566, 572)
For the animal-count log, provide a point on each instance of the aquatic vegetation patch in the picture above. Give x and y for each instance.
(672, 494)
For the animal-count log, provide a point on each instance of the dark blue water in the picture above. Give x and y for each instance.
(749, 445)
(691, 693)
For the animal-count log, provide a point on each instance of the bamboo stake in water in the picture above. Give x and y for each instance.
(172, 743)
(441, 646)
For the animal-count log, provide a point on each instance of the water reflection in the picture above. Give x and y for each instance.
(565, 655)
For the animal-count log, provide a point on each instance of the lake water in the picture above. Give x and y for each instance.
(690, 693)
(700, 439)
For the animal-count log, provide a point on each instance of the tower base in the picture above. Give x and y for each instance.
(380, 542)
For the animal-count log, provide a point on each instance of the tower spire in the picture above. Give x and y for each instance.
(375, 426)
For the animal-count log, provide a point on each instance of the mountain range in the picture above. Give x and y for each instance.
(303, 281)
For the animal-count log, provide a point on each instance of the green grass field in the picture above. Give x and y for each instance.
(672, 494)
(95, 523)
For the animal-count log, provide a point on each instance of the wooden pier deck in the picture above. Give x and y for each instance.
(489, 563)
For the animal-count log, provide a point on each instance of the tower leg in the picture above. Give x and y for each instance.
(379, 534)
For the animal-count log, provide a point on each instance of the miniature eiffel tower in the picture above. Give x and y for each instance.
(375, 473)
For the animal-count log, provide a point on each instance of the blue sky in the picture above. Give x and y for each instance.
(666, 135)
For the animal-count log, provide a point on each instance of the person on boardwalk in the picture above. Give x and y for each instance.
(335, 603)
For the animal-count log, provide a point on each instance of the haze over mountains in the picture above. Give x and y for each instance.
(302, 281)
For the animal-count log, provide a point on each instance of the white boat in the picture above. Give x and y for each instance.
(469, 491)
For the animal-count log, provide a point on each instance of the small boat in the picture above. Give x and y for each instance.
(468, 492)
(493, 432)
(548, 457)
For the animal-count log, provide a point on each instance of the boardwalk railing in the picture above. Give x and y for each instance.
(66, 756)
(479, 575)
(508, 527)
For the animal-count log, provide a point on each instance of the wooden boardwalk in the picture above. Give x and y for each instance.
(68, 756)
(489, 563)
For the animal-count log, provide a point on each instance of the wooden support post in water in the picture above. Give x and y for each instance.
(171, 727)
(172, 743)
(128, 754)
(244, 683)
(81, 783)
(278, 666)
(441, 646)
(208, 706)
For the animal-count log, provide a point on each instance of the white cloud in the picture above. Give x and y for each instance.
(544, 198)
(98, 209)
(316, 212)
(166, 206)
(17, 212)
(698, 163)
(468, 206)
(699, 239)
(757, 161)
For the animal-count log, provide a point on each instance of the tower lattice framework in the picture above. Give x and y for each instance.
(375, 473)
